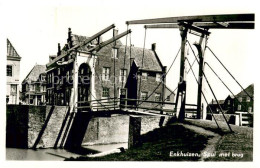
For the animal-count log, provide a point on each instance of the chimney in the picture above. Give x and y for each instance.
(51, 57)
(69, 40)
(115, 33)
(59, 50)
(154, 46)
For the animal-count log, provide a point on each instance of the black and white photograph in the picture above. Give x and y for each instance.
(155, 83)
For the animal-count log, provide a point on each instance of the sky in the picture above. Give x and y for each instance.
(35, 29)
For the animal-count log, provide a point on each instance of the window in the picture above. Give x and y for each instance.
(122, 77)
(217, 109)
(115, 53)
(43, 78)
(32, 87)
(228, 102)
(43, 88)
(239, 107)
(48, 78)
(247, 99)
(7, 99)
(105, 92)
(144, 75)
(168, 98)
(249, 109)
(240, 99)
(67, 76)
(82, 71)
(31, 100)
(158, 77)
(105, 73)
(144, 95)
(157, 97)
(9, 70)
(13, 89)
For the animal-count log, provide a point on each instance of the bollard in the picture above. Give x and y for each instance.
(134, 136)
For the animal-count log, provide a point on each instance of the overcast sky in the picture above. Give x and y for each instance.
(35, 29)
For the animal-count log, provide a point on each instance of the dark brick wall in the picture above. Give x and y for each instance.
(107, 61)
(23, 124)
(16, 126)
(151, 86)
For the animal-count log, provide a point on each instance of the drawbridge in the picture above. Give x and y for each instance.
(199, 26)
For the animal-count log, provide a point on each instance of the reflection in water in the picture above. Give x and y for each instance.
(103, 148)
(39, 154)
(56, 154)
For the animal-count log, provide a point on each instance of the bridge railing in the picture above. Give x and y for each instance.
(107, 104)
(99, 104)
(191, 111)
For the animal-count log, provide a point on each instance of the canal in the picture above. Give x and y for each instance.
(56, 154)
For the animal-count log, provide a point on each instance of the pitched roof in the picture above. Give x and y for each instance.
(249, 90)
(219, 101)
(77, 39)
(33, 75)
(11, 52)
(145, 59)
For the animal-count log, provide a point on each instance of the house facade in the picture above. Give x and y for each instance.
(240, 103)
(34, 86)
(244, 102)
(113, 71)
(169, 98)
(12, 75)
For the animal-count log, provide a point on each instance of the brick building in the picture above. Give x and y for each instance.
(12, 75)
(230, 105)
(245, 102)
(34, 86)
(81, 76)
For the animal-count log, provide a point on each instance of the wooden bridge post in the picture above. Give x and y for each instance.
(201, 48)
(134, 131)
(181, 94)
